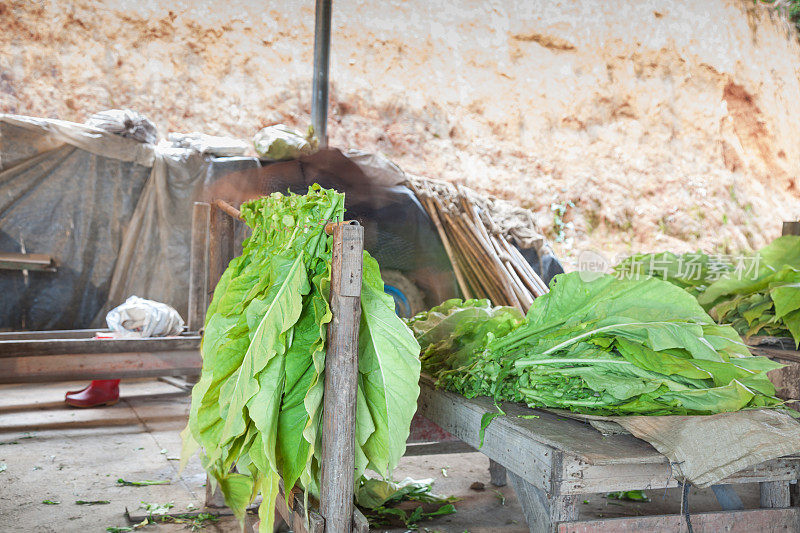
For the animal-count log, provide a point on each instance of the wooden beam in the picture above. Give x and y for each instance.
(791, 228)
(748, 521)
(18, 261)
(78, 366)
(295, 516)
(52, 334)
(341, 374)
(42, 347)
(220, 247)
(563, 456)
(437, 448)
(497, 474)
(774, 494)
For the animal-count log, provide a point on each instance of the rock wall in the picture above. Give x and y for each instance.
(652, 124)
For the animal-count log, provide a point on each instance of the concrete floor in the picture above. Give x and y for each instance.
(56, 453)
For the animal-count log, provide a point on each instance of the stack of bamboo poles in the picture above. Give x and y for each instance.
(486, 265)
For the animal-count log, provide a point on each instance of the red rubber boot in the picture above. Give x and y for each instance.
(100, 392)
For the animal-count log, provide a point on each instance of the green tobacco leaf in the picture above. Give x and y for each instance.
(372, 492)
(278, 311)
(486, 419)
(388, 367)
(144, 483)
(238, 492)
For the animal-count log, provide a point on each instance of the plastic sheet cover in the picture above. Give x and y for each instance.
(114, 213)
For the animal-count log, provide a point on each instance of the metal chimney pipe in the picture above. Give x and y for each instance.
(322, 53)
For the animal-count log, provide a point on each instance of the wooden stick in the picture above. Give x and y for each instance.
(494, 274)
(528, 268)
(228, 208)
(446, 242)
(524, 299)
(473, 259)
(341, 380)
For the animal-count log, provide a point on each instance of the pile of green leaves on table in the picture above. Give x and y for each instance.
(693, 272)
(256, 411)
(606, 347)
(766, 302)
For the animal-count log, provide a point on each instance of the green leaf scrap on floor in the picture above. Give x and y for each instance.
(605, 347)
(381, 516)
(629, 495)
(92, 502)
(3, 467)
(373, 492)
(258, 404)
(51, 502)
(500, 496)
(144, 483)
(156, 509)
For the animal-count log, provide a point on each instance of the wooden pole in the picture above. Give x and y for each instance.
(198, 266)
(220, 250)
(220, 253)
(791, 228)
(341, 374)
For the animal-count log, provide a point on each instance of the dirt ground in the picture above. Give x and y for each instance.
(639, 125)
(58, 454)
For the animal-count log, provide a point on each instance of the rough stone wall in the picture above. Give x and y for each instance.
(658, 124)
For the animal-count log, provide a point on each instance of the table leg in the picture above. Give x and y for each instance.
(497, 474)
(775, 494)
(215, 499)
(543, 512)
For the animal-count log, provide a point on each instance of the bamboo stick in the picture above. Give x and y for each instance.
(448, 250)
(523, 296)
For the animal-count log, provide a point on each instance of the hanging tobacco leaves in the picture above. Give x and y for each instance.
(257, 408)
(607, 347)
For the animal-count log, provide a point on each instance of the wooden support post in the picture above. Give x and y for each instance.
(220, 246)
(791, 228)
(198, 267)
(543, 512)
(341, 373)
(220, 253)
(215, 499)
(775, 494)
(497, 474)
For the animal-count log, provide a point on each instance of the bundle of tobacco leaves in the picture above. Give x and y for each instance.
(608, 347)
(257, 408)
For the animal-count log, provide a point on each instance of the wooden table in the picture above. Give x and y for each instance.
(553, 462)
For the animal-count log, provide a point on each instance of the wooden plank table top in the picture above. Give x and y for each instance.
(566, 456)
